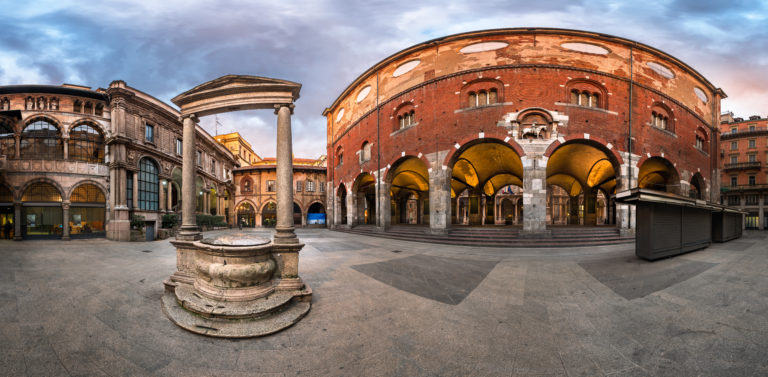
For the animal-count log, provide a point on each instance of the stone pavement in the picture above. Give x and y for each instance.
(395, 308)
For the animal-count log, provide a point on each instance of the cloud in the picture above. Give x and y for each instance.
(167, 47)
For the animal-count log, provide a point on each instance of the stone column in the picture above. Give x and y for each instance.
(65, 141)
(284, 230)
(534, 197)
(135, 190)
(189, 230)
(161, 195)
(590, 206)
(360, 204)
(351, 209)
(169, 197)
(18, 145)
(65, 224)
(17, 221)
(384, 210)
(439, 200)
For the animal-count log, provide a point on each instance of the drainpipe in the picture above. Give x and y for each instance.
(629, 141)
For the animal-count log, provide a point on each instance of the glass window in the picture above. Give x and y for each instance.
(752, 199)
(7, 141)
(41, 140)
(246, 185)
(751, 180)
(148, 185)
(129, 188)
(322, 186)
(270, 186)
(310, 186)
(41, 192)
(179, 148)
(86, 144)
(751, 127)
(752, 157)
(752, 143)
(734, 145)
(87, 193)
(733, 201)
(298, 186)
(199, 158)
(734, 159)
(734, 181)
(734, 130)
(149, 133)
(213, 166)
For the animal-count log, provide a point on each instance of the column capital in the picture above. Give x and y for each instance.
(193, 117)
(288, 105)
(65, 204)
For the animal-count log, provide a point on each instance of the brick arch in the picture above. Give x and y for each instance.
(388, 178)
(55, 184)
(91, 182)
(249, 201)
(475, 85)
(469, 141)
(89, 121)
(557, 143)
(44, 116)
(534, 110)
(582, 83)
(647, 156)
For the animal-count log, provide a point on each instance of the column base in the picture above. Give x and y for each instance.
(66, 238)
(285, 236)
(189, 233)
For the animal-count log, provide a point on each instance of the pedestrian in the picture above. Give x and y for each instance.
(7, 230)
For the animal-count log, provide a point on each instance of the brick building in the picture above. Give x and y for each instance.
(526, 126)
(256, 200)
(77, 162)
(743, 161)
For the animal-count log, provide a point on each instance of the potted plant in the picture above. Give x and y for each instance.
(137, 228)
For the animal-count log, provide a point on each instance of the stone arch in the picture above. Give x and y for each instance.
(698, 186)
(89, 121)
(364, 191)
(463, 144)
(11, 193)
(268, 212)
(245, 213)
(341, 204)
(33, 181)
(91, 182)
(608, 147)
(658, 173)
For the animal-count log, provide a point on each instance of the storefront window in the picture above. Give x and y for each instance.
(41, 212)
(87, 213)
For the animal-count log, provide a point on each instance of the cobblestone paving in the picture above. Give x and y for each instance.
(92, 308)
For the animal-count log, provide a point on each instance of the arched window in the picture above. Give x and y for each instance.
(584, 99)
(86, 144)
(99, 110)
(87, 193)
(77, 106)
(41, 140)
(148, 185)
(7, 141)
(702, 140)
(339, 157)
(492, 96)
(482, 98)
(41, 192)
(660, 119)
(472, 99)
(247, 185)
(88, 108)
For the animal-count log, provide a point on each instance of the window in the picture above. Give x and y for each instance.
(99, 110)
(365, 152)
(247, 185)
(88, 108)
(659, 120)
(310, 186)
(179, 147)
(699, 142)
(298, 186)
(492, 96)
(472, 99)
(482, 97)
(270, 186)
(129, 188)
(41, 140)
(752, 157)
(752, 181)
(86, 144)
(213, 166)
(322, 186)
(733, 200)
(734, 130)
(752, 143)
(199, 158)
(734, 181)
(734, 145)
(752, 127)
(585, 98)
(406, 119)
(148, 185)
(734, 159)
(752, 199)
(149, 133)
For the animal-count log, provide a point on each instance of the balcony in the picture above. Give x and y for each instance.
(726, 188)
(754, 165)
(761, 131)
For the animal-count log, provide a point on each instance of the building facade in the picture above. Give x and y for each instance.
(239, 148)
(256, 200)
(537, 127)
(743, 160)
(76, 162)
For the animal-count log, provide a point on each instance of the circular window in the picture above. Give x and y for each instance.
(363, 93)
(483, 46)
(589, 48)
(340, 115)
(700, 93)
(660, 69)
(406, 67)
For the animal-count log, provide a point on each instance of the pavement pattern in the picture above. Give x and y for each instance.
(383, 307)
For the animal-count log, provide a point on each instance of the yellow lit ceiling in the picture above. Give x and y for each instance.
(411, 174)
(573, 166)
(658, 174)
(490, 164)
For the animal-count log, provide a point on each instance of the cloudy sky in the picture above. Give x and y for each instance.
(165, 47)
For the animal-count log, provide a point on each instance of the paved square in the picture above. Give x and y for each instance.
(92, 308)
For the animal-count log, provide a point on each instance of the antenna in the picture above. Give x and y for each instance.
(216, 125)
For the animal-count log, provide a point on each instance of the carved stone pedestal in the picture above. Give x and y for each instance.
(236, 286)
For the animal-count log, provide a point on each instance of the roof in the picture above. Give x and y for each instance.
(53, 89)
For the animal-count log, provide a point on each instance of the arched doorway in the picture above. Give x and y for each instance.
(365, 191)
(697, 186)
(341, 200)
(480, 170)
(176, 190)
(213, 202)
(316, 214)
(87, 213)
(41, 211)
(246, 215)
(409, 191)
(657, 173)
(584, 170)
(297, 216)
(7, 220)
(269, 215)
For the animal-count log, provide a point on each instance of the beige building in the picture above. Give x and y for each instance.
(77, 162)
(239, 147)
(256, 199)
